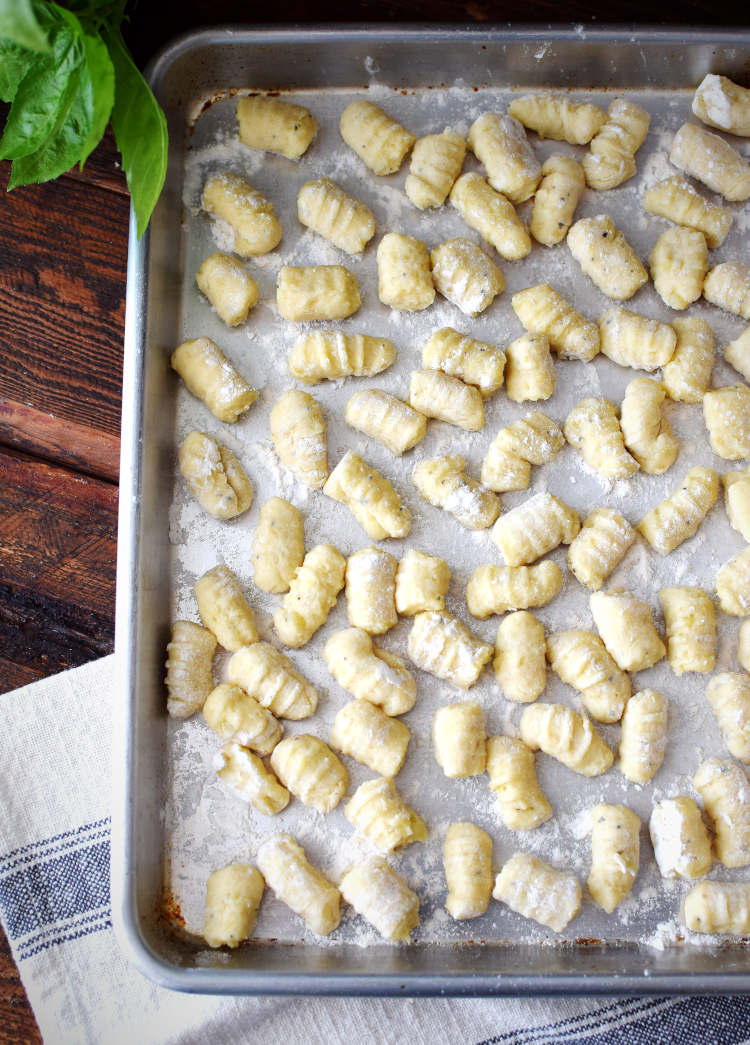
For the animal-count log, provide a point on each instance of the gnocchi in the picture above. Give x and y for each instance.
(189, 679)
(594, 429)
(324, 207)
(309, 769)
(611, 159)
(675, 199)
(499, 143)
(737, 354)
(543, 311)
(460, 740)
(378, 140)
(615, 854)
(600, 545)
(737, 500)
(316, 292)
(726, 411)
(510, 767)
(728, 694)
(531, 440)
(520, 657)
(210, 377)
(467, 860)
(298, 884)
(404, 274)
(235, 715)
(643, 737)
(312, 595)
(627, 629)
(233, 895)
(278, 545)
(726, 796)
(691, 629)
(246, 776)
(728, 286)
(555, 116)
(273, 680)
(679, 263)
(712, 161)
(370, 498)
(723, 104)
(228, 286)
(678, 517)
(534, 528)
(535, 890)
(682, 846)
(377, 810)
(383, 898)
(566, 736)
(442, 646)
(529, 370)
(421, 583)
(498, 589)
(687, 375)
(389, 420)
(458, 355)
(492, 215)
(647, 433)
(465, 275)
(733, 585)
(443, 482)
(630, 339)
(371, 590)
(606, 257)
(224, 609)
(365, 733)
(718, 907)
(580, 659)
(328, 355)
(556, 199)
(275, 126)
(446, 398)
(436, 162)
(246, 211)
(370, 673)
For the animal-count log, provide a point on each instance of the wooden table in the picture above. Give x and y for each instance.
(62, 291)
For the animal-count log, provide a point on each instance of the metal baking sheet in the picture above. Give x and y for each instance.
(174, 823)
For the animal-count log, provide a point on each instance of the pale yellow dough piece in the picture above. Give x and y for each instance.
(273, 680)
(311, 596)
(436, 162)
(606, 257)
(643, 737)
(443, 482)
(611, 159)
(724, 789)
(726, 411)
(728, 694)
(535, 890)
(369, 673)
(404, 276)
(718, 907)
(534, 528)
(737, 354)
(499, 143)
(510, 767)
(444, 647)
(210, 376)
(446, 398)
(676, 200)
(371, 590)
(421, 583)
(688, 373)
(543, 311)
(378, 811)
(382, 416)
(245, 775)
(600, 546)
(474, 362)
(737, 500)
(556, 199)
(627, 629)
(309, 769)
(562, 733)
(580, 659)
(298, 884)
(316, 292)
(215, 477)
(228, 286)
(224, 609)
(529, 370)
(711, 160)
(383, 898)
(327, 355)
(465, 275)
(250, 215)
(647, 433)
(370, 497)
(275, 126)
(555, 116)
(531, 440)
(690, 624)
(679, 263)
(365, 733)
(378, 140)
(460, 739)
(235, 715)
(593, 428)
(678, 517)
(630, 339)
(467, 861)
(520, 663)
(615, 854)
(233, 895)
(728, 286)
(498, 589)
(492, 215)
(324, 207)
(682, 846)
(278, 545)
(723, 104)
(298, 430)
(188, 679)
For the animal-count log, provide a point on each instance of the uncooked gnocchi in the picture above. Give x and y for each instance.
(459, 739)
(580, 659)
(467, 860)
(678, 517)
(647, 433)
(443, 482)
(228, 286)
(630, 339)
(370, 498)
(436, 162)
(189, 680)
(446, 398)
(235, 715)
(247, 777)
(442, 646)
(726, 411)
(278, 545)
(311, 596)
(382, 898)
(723, 104)
(606, 257)
(531, 440)
(711, 160)
(365, 733)
(728, 286)
(615, 854)
(728, 694)
(543, 311)
(224, 609)
(233, 895)
(534, 528)
(682, 845)
(210, 376)
(724, 789)
(309, 769)
(378, 811)
(627, 629)
(421, 583)
(370, 673)
(562, 733)
(643, 738)
(555, 116)
(593, 428)
(273, 680)
(316, 292)
(465, 275)
(510, 767)
(492, 215)
(499, 143)
(529, 370)
(679, 263)
(535, 890)
(474, 362)
(298, 884)
(676, 200)
(556, 199)
(378, 140)
(404, 276)
(328, 355)
(690, 624)
(371, 590)
(382, 416)
(249, 214)
(520, 663)
(498, 589)
(611, 159)
(324, 207)
(600, 545)
(275, 125)
(687, 375)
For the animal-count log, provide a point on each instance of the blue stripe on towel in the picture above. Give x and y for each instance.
(706, 1020)
(56, 889)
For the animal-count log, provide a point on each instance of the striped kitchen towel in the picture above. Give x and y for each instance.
(54, 904)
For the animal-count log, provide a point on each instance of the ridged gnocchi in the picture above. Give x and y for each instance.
(678, 517)
(273, 680)
(311, 596)
(675, 199)
(726, 412)
(377, 810)
(459, 739)
(224, 609)
(535, 890)
(510, 767)
(309, 769)
(627, 629)
(498, 589)
(215, 477)
(365, 733)
(436, 162)
(600, 545)
(534, 528)
(246, 776)
(298, 884)
(465, 275)
(446, 398)
(562, 733)
(529, 370)
(189, 679)
(248, 213)
(328, 355)
(520, 662)
(210, 377)
(690, 624)
(443, 482)
(474, 362)
(593, 428)
(371, 590)
(492, 215)
(467, 860)
(606, 257)
(728, 693)
(611, 159)
(304, 293)
(643, 737)
(580, 659)
(324, 207)
(687, 375)
(724, 789)
(647, 433)
(711, 160)
(421, 583)
(382, 416)
(382, 898)
(442, 646)
(630, 339)
(370, 673)
(531, 440)
(543, 311)
(377, 139)
(615, 854)
(370, 498)
(404, 274)
(499, 143)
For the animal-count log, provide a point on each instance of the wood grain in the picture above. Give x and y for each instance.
(78, 447)
(62, 299)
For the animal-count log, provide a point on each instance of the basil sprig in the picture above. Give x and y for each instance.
(67, 73)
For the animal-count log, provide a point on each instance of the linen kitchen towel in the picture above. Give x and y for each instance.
(54, 904)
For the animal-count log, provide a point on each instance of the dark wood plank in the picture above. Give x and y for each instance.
(78, 447)
(103, 167)
(62, 294)
(17, 1023)
(58, 533)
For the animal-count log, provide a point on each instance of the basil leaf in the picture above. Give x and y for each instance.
(140, 131)
(60, 150)
(45, 93)
(98, 84)
(15, 62)
(19, 24)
